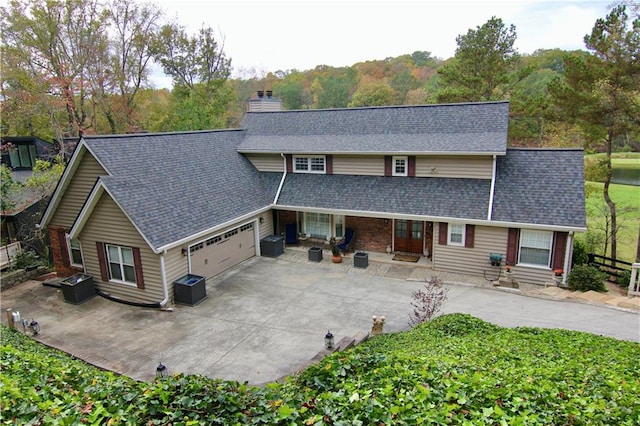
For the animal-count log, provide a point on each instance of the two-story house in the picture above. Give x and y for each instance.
(435, 180)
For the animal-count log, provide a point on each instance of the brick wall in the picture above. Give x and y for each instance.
(58, 250)
(372, 234)
(285, 217)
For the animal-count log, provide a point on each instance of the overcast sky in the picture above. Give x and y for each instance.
(267, 36)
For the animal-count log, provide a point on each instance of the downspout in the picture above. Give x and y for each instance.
(568, 253)
(284, 175)
(493, 188)
(163, 278)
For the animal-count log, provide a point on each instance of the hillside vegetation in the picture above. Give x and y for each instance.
(455, 369)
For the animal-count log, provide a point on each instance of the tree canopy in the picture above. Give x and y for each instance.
(483, 63)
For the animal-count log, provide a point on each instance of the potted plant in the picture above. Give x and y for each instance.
(336, 257)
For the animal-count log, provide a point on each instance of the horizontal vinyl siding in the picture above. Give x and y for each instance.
(358, 165)
(175, 266)
(266, 162)
(109, 225)
(266, 227)
(529, 275)
(76, 193)
(470, 261)
(455, 167)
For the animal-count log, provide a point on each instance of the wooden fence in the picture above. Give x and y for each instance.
(7, 253)
(605, 264)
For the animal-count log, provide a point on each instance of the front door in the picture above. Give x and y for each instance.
(409, 236)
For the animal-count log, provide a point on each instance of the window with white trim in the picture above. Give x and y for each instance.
(535, 247)
(121, 264)
(317, 225)
(309, 164)
(338, 226)
(400, 166)
(75, 252)
(456, 234)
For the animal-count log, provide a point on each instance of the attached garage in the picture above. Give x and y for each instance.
(221, 252)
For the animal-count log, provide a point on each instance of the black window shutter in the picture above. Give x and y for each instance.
(289, 159)
(443, 229)
(470, 233)
(102, 260)
(387, 165)
(137, 261)
(329, 164)
(559, 247)
(411, 166)
(512, 246)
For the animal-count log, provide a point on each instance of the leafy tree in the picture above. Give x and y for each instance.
(60, 47)
(135, 27)
(600, 91)
(293, 90)
(483, 62)
(199, 68)
(332, 87)
(8, 186)
(375, 93)
(402, 83)
(41, 183)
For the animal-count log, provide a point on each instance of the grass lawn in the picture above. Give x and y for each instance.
(627, 199)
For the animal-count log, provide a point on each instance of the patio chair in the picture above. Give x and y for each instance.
(346, 243)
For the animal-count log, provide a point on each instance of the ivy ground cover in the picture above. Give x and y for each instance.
(455, 369)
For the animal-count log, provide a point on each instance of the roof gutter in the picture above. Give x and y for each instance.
(321, 152)
(284, 175)
(493, 188)
(211, 230)
(470, 221)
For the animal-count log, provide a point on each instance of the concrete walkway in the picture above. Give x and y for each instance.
(266, 318)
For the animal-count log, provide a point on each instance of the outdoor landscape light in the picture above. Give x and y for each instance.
(161, 371)
(328, 340)
(34, 327)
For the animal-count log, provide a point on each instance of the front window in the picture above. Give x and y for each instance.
(456, 234)
(121, 264)
(317, 225)
(75, 253)
(309, 164)
(22, 156)
(399, 166)
(338, 226)
(535, 247)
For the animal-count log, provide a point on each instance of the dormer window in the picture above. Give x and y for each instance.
(309, 164)
(400, 166)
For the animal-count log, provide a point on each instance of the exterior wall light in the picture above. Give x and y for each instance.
(328, 340)
(161, 371)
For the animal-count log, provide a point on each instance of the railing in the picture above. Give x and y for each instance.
(605, 264)
(634, 284)
(7, 253)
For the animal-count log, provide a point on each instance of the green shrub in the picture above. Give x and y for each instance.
(585, 278)
(23, 259)
(580, 253)
(595, 169)
(624, 279)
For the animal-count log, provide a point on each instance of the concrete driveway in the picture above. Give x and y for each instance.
(267, 318)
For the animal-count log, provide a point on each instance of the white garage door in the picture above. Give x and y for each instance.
(223, 251)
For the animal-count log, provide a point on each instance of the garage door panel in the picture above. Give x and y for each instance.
(221, 252)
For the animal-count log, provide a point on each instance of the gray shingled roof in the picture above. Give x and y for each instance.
(174, 185)
(541, 186)
(447, 128)
(403, 195)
